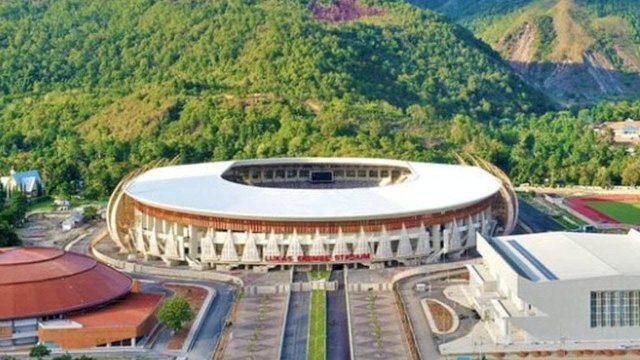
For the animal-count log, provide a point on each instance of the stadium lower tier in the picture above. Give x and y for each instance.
(186, 238)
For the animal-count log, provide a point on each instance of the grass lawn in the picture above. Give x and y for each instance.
(316, 344)
(44, 203)
(320, 275)
(568, 220)
(626, 212)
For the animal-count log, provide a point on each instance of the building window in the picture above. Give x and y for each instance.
(614, 308)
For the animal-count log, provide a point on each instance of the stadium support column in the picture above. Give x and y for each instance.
(404, 245)
(422, 249)
(154, 249)
(436, 236)
(471, 232)
(194, 241)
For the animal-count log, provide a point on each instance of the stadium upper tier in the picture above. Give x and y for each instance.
(313, 189)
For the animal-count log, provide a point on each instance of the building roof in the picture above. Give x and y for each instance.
(130, 311)
(565, 255)
(618, 125)
(201, 189)
(38, 281)
(27, 180)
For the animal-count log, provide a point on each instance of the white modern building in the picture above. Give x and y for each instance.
(307, 210)
(559, 290)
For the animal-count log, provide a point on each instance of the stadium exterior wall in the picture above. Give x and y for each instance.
(202, 241)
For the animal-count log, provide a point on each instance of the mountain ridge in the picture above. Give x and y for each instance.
(579, 51)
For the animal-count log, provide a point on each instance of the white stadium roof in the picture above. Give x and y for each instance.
(200, 189)
(566, 255)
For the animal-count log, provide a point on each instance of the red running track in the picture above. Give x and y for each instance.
(580, 204)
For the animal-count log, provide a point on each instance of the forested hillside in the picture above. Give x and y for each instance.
(90, 90)
(579, 51)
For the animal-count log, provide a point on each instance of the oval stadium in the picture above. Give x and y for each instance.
(287, 211)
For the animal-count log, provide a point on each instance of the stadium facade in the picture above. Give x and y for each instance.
(307, 210)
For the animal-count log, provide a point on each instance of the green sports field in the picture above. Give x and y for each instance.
(317, 326)
(626, 212)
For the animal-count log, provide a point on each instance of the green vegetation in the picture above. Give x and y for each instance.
(39, 351)
(316, 346)
(587, 41)
(12, 212)
(175, 312)
(374, 322)
(469, 10)
(129, 82)
(569, 221)
(91, 90)
(626, 212)
(255, 336)
(546, 36)
(320, 275)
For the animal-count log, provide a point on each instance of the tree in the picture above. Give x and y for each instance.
(39, 351)
(63, 357)
(631, 173)
(90, 212)
(8, 237)
(175, 312)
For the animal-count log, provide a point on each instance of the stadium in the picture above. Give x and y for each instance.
(287, 211)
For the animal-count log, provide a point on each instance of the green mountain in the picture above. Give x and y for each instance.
(90, 89)
(578, 51)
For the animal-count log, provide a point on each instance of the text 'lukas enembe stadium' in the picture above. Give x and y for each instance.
(288, 211)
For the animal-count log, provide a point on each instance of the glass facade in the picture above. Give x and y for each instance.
(615, 308)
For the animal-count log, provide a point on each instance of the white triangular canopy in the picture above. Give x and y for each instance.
(294, 250)
(404, 245)
(250, 252)
(208, 247)
(362, 244)
(317, 245)
(340, 249)
(228, 248)
(384, 245)
(272, 248)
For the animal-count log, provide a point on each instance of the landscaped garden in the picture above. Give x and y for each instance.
(316, 348)
(195, 296)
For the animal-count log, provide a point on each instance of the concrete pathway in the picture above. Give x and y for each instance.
(377, 327)
(338, 347)
(297, 328)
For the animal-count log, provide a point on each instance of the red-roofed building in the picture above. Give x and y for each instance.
(68, 300)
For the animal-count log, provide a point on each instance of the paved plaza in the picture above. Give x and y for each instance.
(257, 330)
(376, 325)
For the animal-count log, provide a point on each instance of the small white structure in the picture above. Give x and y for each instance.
(72, 221)
(557, 289)
(27, 182)
(62, 205)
